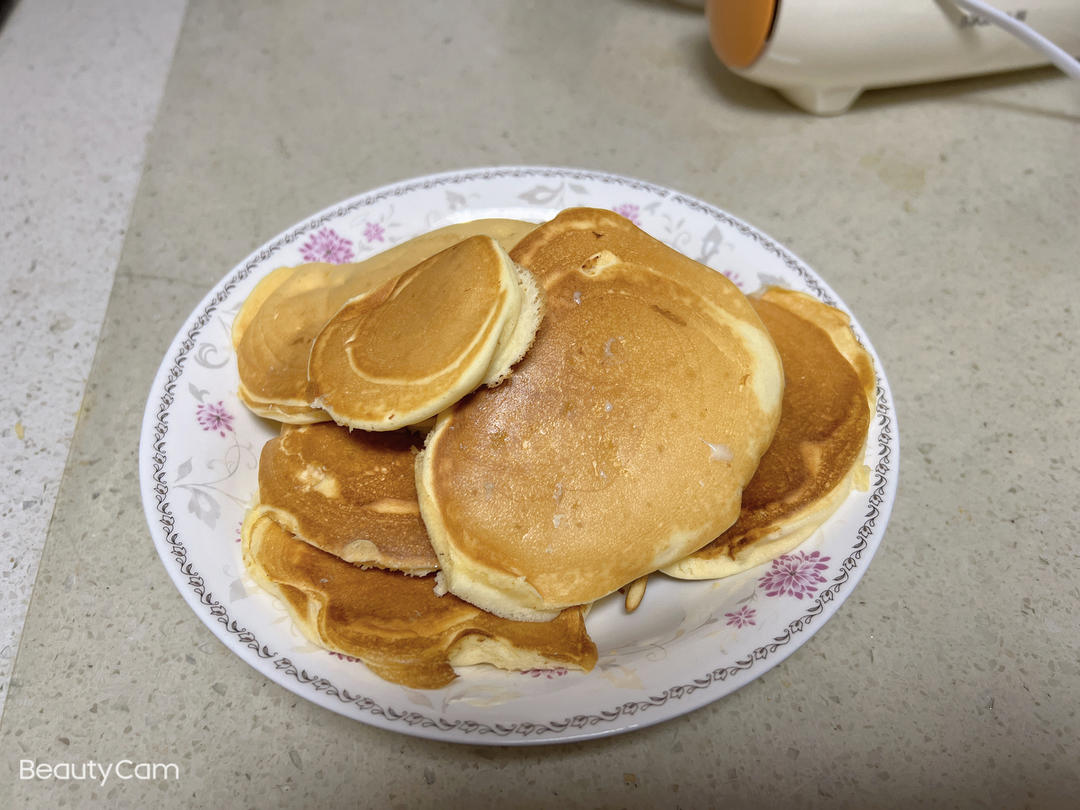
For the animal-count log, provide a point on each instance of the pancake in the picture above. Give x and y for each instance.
(401, 353)
(274, 329)
(350, 493)
(817, 454)
(396, 624)
(289, 414)
(624, 437)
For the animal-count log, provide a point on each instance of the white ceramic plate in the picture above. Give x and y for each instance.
(689, 643)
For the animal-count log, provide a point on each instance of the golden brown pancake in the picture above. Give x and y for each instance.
(273, 332)
(623, 439)
(396, 624)
(405, 351)
(349, 493)
(817, 453)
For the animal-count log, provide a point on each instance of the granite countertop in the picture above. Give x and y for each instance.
(79, 93)
(943, 215)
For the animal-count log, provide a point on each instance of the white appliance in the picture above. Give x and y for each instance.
(821, 54)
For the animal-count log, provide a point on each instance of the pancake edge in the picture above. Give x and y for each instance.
(281, 411)
(488, 587)
(782, 540)
(517, 340)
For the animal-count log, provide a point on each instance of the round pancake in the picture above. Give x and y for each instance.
(816, 456)
(350, 493)
(396, 624)
(273, 332)
(623, 439)
(405, 351)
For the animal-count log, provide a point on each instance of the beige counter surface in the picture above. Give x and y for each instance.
(944, 216)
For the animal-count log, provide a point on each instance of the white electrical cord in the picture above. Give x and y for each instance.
(1026, 33)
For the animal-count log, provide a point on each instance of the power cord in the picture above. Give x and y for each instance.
(1025, 33)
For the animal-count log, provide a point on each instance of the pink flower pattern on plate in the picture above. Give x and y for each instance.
(214, 417)
(546, 673)
(325, 245)
(797, 574)
(374, 232)
(343, 657)
(741, 617)
(630, 211)
(734, 278)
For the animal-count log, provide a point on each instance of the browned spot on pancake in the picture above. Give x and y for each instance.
(671, 316)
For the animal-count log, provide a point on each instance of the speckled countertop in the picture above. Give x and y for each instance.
(945, 216)
(80, 84)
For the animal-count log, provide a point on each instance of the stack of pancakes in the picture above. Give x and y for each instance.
(597, 407)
